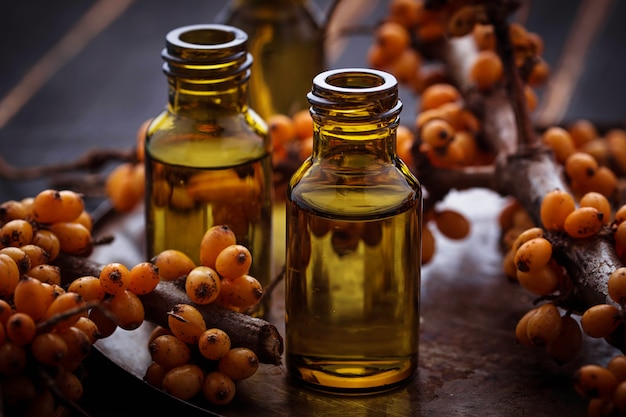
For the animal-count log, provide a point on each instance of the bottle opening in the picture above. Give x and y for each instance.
(207, 37)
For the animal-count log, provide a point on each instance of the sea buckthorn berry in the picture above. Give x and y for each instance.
(125, 186)
(38, 256)
(32, 297)
(74, 238)
(487, 70)
(20, 257)
(144, 277)
(233, 261)
(184, 381)
(239, 363)
(103, 320)
(203, 285)
(600, 320)
(49, 348)
(568, 344)
(114, 278)
(437, 133)
(281, 129)
(69, 385)
(599, 202)
(619, 397)
(9, 275)
(49, 242)
(452, 224)
(582, 131)
(214, 240)
(218, 389)
(61, 305)
(541, 281)
(617, 285)
(173, 264)
(604, 181)
(89, 328)
(303, 123)
(435, 95)
(169, 351)
(617, 365)
(583, 222)
(85, 219)
(186, 323)
(128, 310)
(241, 292)
(594, 381)
(521, 329)
(47, 273)
(47, 205)
(88, 287)
(13, 359)
(154, 374)
(525, 236)
(580, 166)
(393, 38)
(12, 210)
(428, 245)
(20, 328)
(73, 206)
(533, 255)
(544, 326)
(16, 233)
(560, 141)
(555, 207)
(214, 344)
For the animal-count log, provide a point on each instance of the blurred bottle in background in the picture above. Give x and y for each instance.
(286, 41)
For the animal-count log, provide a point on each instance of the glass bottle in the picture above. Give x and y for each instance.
(207, 153)
(354, 215)
(286, 41)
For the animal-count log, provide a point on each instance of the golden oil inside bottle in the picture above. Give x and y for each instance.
(188, 191)
(353, 287)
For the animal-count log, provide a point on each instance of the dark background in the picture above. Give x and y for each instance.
(98, 93)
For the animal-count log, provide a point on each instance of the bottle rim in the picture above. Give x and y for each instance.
(355, 94)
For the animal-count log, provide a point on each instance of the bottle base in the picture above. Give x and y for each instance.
(351, 377)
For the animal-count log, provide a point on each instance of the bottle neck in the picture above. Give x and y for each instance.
(199, 102)
(355, 116)
(208, 69)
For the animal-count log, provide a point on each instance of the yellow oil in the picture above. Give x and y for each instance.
(353, 286)
(196, 181)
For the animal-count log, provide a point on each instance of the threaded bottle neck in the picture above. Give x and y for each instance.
(206, 58)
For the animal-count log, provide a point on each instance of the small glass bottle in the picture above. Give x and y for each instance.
(354, 215)
(207, 153)
(286, 41)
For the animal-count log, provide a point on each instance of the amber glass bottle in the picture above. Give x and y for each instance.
(208, 153)
(353, 242)
(286, 41)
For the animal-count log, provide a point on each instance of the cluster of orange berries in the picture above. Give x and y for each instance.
(46, 326)
(604, 387)
(409, 25)
(446, 130)
(591, 161)
(189, 359)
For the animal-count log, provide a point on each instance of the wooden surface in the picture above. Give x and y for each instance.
(82, 75)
